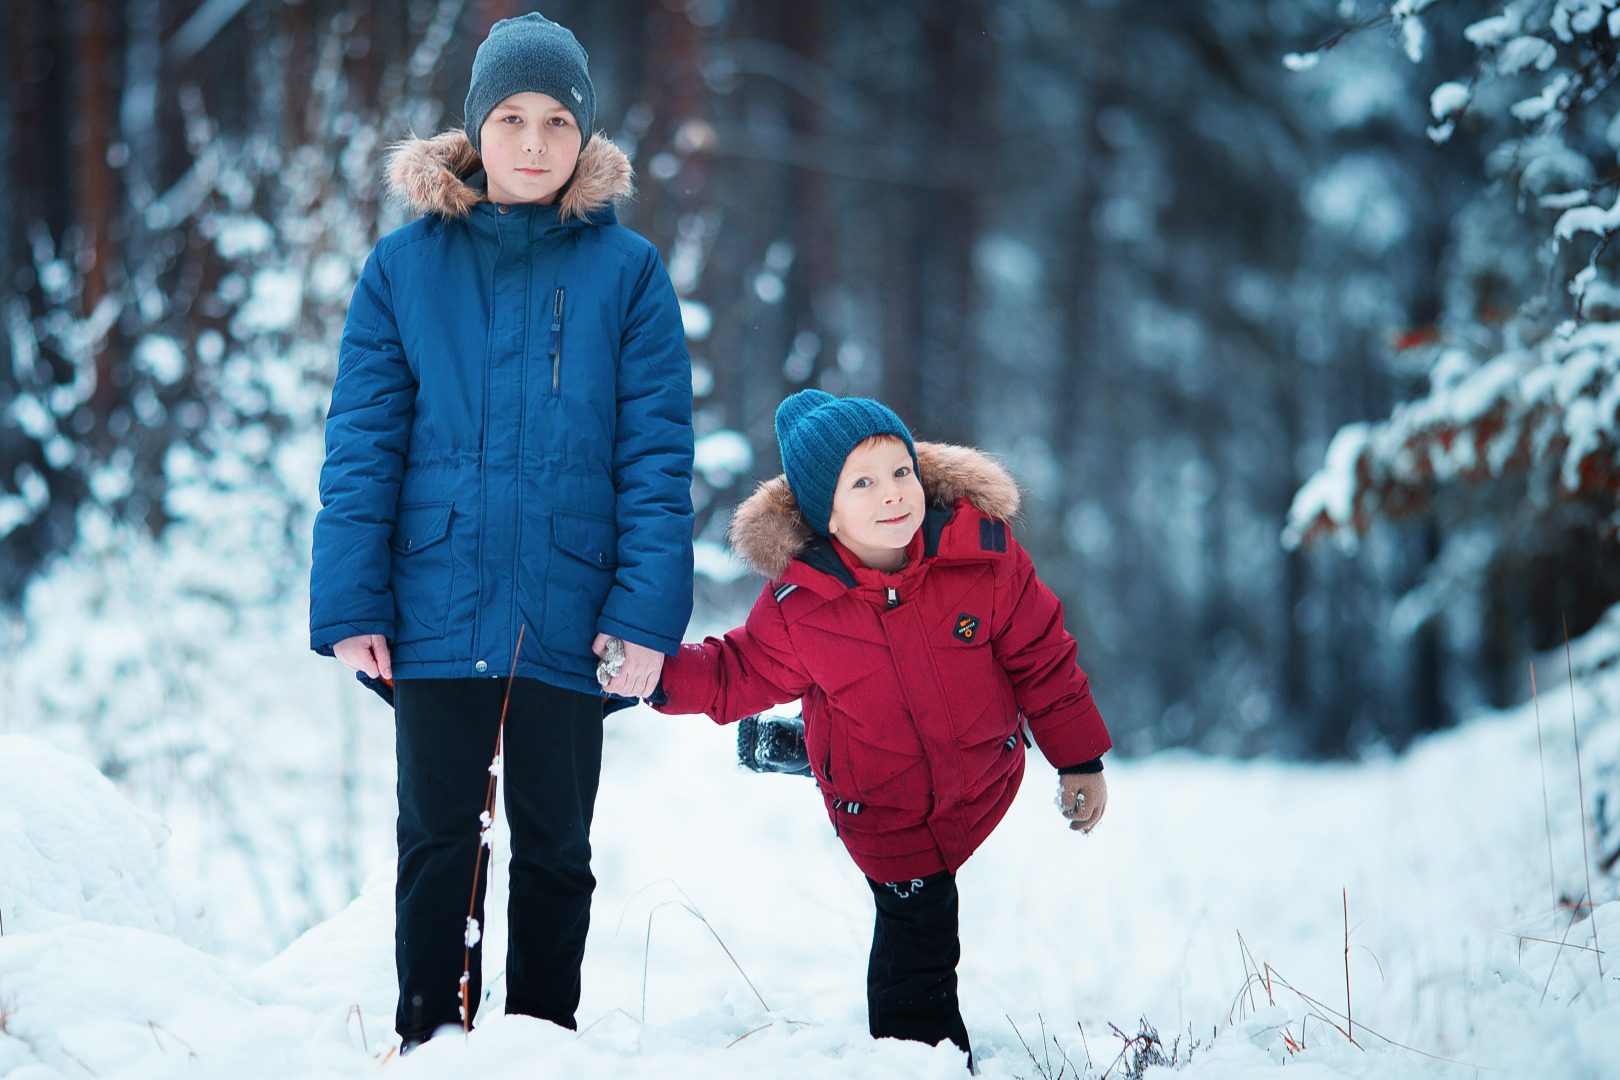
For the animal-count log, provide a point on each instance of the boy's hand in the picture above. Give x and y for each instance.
(367, 653)
(1083, 797)
(639, 675)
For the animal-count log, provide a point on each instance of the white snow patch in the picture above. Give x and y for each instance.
(722, 456)
(275, 298)
(1448, 894)
(1591, 219)
(72, 849)
(1497, 29)
(696, 319)
(1524, 52)
(160, 357)
(1448, 98)
(1534, 108)
(243, 236)
(717, 563)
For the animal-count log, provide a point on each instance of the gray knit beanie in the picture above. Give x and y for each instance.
(816, 432)
(530, 54)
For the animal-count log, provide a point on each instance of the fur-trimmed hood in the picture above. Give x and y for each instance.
(768, 531)
(430, 176)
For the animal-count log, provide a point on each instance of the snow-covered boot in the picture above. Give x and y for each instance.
(772, 744)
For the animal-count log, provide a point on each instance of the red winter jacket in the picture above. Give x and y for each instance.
(914, 684)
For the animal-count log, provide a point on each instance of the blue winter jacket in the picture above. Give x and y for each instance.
(510, 438)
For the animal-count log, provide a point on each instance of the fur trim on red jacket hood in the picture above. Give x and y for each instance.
(767, 531)
(430, 176)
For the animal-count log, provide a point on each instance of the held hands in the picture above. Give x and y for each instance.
(1083, 797)
(638, 675)
(367, 653)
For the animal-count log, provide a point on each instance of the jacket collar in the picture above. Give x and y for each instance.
(444, 176)
(768, 532)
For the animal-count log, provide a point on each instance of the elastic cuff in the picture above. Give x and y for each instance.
(1092, 766)
(322, 639)
(647, 640)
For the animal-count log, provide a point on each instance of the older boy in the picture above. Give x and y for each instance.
(509, 459)
(912, 625)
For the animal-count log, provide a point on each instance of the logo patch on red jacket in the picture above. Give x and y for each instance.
(967, 627)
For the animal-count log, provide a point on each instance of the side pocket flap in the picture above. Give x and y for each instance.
(418, 527)
(593, 539)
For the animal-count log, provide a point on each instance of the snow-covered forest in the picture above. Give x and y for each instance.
(1295, 319)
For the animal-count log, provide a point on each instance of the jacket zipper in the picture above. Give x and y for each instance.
(836, 801)
(556, 339)
(893, 599)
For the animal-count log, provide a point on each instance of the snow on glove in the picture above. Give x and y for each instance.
(610, 663)
(1082, 797)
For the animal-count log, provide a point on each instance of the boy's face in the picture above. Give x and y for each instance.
(878, 505)
(530, 144)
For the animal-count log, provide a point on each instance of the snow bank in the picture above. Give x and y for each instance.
(730, 931)
(72, 849)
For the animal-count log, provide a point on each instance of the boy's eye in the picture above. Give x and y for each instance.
(862, 482)
(559, 121)
(904, 470)
(511, 119)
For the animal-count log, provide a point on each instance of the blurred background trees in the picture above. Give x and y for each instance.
(1125, 246)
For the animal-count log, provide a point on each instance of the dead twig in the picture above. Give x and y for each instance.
(1531, 937)
(745, 1035)
(354, 1011)
(582, 1031)
(155, 1027)
(1326, 1014)
(1033, 1060)
(486, 823)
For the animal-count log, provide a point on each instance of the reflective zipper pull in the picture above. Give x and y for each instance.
(894, 598)
(556, 339)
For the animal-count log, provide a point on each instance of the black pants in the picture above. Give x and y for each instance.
(911, 978)
(446, 730)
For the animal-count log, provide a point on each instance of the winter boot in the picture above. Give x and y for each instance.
(772, 744)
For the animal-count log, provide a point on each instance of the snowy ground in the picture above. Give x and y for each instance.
(1443, 856)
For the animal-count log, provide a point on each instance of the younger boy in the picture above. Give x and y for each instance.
(912, 625)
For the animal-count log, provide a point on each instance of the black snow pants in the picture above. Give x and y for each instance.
(911, 978)
(446, 731)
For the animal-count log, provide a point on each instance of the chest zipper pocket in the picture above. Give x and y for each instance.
(556, 339)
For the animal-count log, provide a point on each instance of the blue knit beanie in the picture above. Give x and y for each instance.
(530, 54)
(816, 432)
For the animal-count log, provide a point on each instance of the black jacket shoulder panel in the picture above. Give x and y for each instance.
(933, 527)
(819, 555)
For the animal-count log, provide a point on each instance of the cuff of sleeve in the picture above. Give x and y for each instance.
(1092, 766)
(322, 639)
(666, 645)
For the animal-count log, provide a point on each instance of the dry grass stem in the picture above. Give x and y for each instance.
(1546, 807)
(1580, 787)
(1349, 1016)
(745, 1035)
(691, 908)
(1574, 914)
(1065, 1067)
